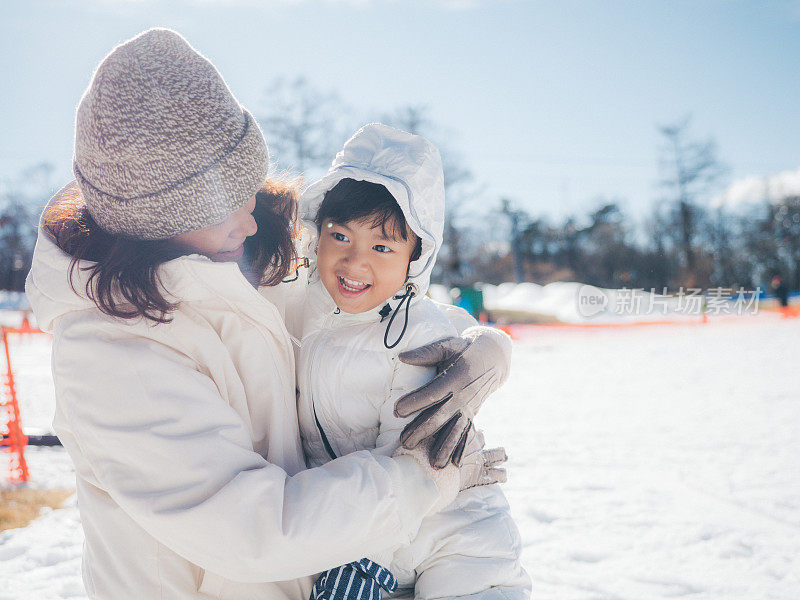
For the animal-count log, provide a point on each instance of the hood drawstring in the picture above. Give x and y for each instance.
(411, 291)
(302, 262)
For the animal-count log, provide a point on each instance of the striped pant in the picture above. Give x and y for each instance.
(360, 580)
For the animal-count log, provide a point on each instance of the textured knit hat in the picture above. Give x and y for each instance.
(161, 145)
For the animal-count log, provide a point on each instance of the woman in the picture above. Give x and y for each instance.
(174, 377)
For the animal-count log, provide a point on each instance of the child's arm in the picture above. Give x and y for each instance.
(428, 324)
(459, 318)
(405, 378)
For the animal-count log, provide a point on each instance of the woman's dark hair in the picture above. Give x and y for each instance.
(270, 255)
(123, 281)
(352, 200)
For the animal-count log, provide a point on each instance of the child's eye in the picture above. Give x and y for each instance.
(381, 248)
(339, 236)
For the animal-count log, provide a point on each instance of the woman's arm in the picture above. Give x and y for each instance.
(173, 455)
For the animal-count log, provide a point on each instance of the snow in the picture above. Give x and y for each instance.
(43, 561)
(653, 462)
(647, 462)
(30, 359)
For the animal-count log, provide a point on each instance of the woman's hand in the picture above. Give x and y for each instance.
(469, 368)
(478, 467)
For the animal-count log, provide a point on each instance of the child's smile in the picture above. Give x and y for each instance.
(351, 287)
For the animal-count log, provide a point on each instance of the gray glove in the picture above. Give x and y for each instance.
(478, 467)
(469, 368)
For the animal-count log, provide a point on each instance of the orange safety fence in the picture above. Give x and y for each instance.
(516, 329)
(12, 439)
(793, 310)
(523, 330)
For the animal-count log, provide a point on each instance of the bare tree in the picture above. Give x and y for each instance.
(518, 220)
(785, 221)
(690, 169)
(21, 202)
(304, 127)
(412, 118)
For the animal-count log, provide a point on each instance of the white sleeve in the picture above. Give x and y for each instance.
(289, 298)
(407, 378)
(470, 549)
(173, 455)
(458, 317)
(466, 326)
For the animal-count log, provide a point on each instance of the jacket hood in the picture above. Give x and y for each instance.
(407, 165)
(48, 287)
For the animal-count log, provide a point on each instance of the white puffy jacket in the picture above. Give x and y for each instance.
(190, 471)
(349, 381)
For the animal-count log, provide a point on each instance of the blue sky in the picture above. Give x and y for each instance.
(552, 104)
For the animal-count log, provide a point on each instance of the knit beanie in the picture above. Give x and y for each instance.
(161, 145)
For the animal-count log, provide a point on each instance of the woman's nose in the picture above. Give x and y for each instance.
(246, 225)
(251, 226)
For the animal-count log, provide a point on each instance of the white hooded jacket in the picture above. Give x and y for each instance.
(349, 381)
(190, 472)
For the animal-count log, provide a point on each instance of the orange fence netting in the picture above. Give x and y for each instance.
(12, 439)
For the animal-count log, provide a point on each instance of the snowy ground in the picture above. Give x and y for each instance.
(646, 463)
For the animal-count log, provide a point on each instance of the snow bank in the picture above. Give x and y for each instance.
(440, 293)
(13, 301)
(572, 302)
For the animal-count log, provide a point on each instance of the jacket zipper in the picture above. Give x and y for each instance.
(312, 364)
(324, 437)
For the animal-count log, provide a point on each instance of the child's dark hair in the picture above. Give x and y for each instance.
(351, 200)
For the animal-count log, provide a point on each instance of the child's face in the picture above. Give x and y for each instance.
(360, 266)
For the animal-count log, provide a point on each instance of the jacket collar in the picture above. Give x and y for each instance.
(188, 278)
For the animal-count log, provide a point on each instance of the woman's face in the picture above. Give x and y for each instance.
(222, 242)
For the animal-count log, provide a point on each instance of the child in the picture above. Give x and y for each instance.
(379, 214)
